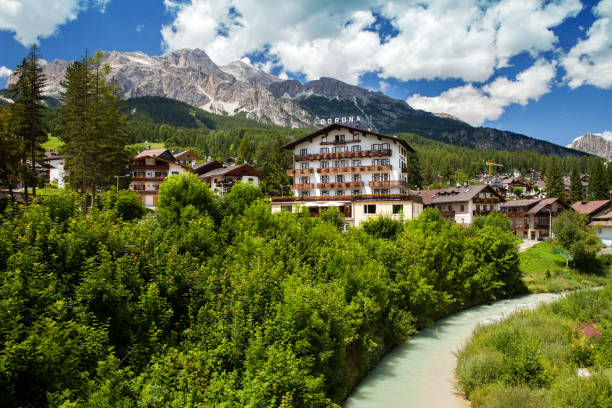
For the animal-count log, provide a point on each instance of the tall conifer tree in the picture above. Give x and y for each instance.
(598, 182)
(554, 179)
(27, 112)
(575, 186)
(415, 176)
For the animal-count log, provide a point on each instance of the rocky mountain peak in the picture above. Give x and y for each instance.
(249, 74)
(599, 144)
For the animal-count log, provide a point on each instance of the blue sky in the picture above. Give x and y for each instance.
(538, 67)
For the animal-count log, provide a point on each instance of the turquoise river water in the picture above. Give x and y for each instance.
(420, 372)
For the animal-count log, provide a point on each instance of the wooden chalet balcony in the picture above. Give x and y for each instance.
(447, 213)
(145, 167)
(343, 155)
(353, 169)
(146, 192)
(303, 187)
(299, 172)
(341, 142)
(517, 214)
(388, 184)
(148, 178)
(482, 212)
(357, 197)
(486, 199)
(341, 185)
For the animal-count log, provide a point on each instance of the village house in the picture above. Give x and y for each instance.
(186, 157)
(221, 178)
(461, 204)
(532, 219)
(362, 173)
(592, 208)
(148, 169)
(54, 163)
(603, 226)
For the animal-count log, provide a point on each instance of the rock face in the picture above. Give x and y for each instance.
(190, 76)
(599, 144)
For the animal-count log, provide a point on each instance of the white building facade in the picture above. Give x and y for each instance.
(362, 173)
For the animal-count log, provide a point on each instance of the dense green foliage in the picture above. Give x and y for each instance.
(253, 309)
(531, 359)
(572, 232)
(554, 178)
(598, 182)
(575, 186)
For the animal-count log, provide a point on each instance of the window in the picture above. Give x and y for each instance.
(324, 192)
(174, 173)
(355, 136)
(356, 148)
(369, 208)
(324, 139)
(304, 180)
(339, 138)
(398, 208)
(304, 193)
(356, 163)
(380, 177)
(344, 163)
(324, 164)
(340, 178)
(381, 162)
(304, 165)
(336, 163)
(340, 192)
(462, 208)
(324, 179)
(324, 150)
(385, 146)
(356, 177)
(355, 192)
(286, 208)
(450, 208)
(303, 151)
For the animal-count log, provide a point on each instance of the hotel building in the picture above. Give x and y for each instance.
(362, 173)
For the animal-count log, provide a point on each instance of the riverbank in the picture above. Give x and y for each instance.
(557, 355)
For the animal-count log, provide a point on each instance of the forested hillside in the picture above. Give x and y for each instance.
(218, 302)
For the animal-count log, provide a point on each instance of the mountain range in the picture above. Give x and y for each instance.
(190, 76)
(599, 144)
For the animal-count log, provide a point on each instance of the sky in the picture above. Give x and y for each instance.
(538, 67)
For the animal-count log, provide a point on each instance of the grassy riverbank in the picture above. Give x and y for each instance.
(545, 271)
(532, 358)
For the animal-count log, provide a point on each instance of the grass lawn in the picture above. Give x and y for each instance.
(544, 271)
(141, 146)
(52, 144)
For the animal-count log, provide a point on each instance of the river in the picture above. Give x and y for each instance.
(420, 372)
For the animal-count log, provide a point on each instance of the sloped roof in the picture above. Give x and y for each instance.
(327, 129)
(453, 194)
(590, 207)
(544, 203)
(519, 203)
(208, 166)
(240, 170)
(165, 161)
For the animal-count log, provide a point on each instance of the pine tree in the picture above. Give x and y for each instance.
(27, 112)
(11, 154)
(94, 131)
(598, 182)
(415, 177)
(575, 186)
(246, 149)
(554, 179)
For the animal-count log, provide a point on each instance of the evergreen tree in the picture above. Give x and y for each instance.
(245, 149)
(554, 179)
(575, 186)
(28, 112)
(94, 131)
(11, 154)
(598, 182)
(415, 177)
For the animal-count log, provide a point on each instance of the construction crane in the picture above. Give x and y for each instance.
(493, 164)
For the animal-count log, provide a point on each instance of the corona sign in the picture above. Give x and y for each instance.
(342, 119)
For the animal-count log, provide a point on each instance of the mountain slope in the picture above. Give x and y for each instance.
(599, 144)
(190, 76)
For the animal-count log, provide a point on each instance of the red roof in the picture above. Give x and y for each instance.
(590, 207)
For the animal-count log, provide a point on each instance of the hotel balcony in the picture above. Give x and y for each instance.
(146, 192)
(343, 155)
(145, 167)
(341, 185)
(299, 172)
(388, 184)
(481, 200)
(303, 187)
(354, 169)
(148, 178)
(482, 212)
(357, 197)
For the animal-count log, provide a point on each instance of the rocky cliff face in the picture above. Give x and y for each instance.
(190, 76)
(599, 144)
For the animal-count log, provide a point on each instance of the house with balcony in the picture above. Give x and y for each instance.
(148, 169)
(362, 173)
(222, 179)
(186, 157)
(461, 204)
(593, 208)
(532, 219)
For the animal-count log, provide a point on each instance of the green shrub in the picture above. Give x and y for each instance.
(479, 369)
(579, 392)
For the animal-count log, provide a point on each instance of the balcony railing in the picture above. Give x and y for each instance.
(447, 213)
(342, 155)
(341, 142)
(145, 167)
(148, 178)
(303, 187)
(300, 172)
(146, 192)
(341, 185)
(354, 169)
(388, 184)
(519, 226)
(357, 197)
(482, 212)
(486, 199)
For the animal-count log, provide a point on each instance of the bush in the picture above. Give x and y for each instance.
(126, 204)
(479, 369)
(383, 227)
(180, 191)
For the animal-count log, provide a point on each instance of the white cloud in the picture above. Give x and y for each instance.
(34, 19)
(437, 38)
(139, 28)
(5, 72)
(590, 60)
(475, 105)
